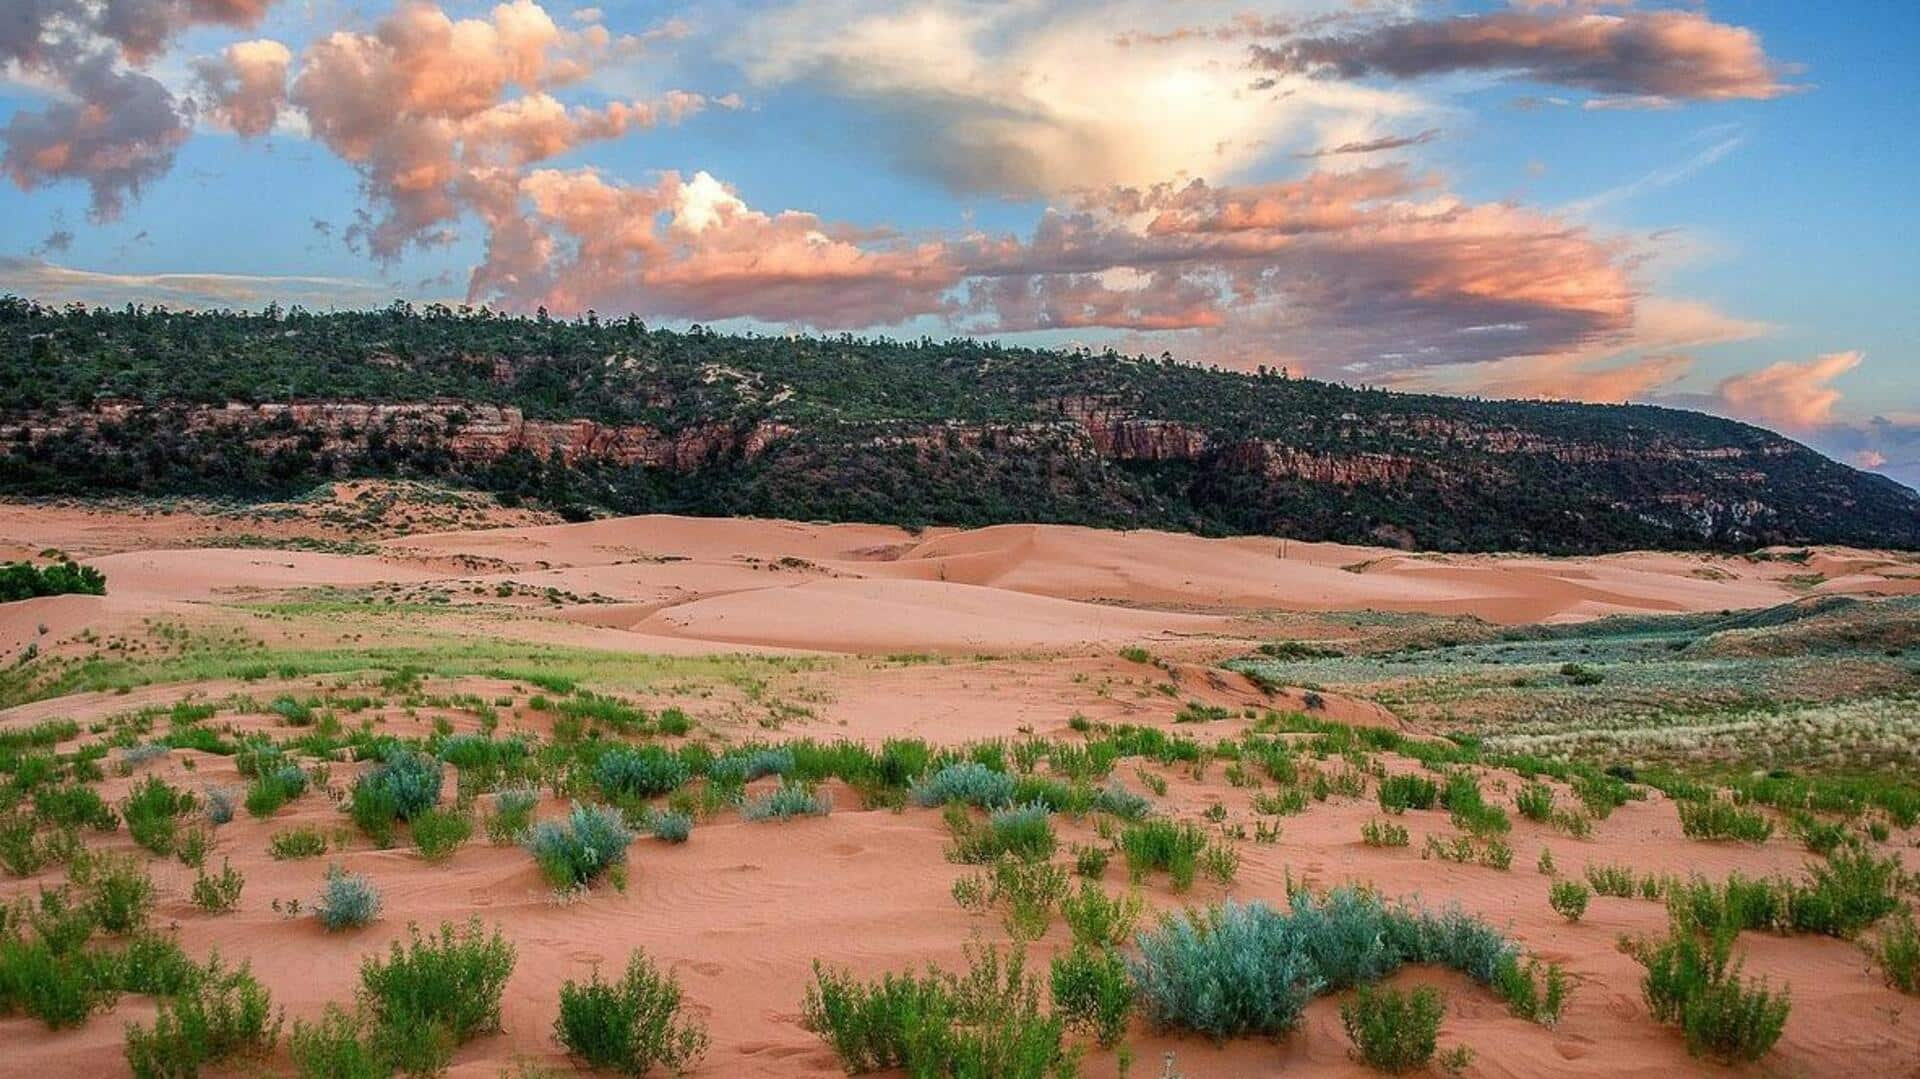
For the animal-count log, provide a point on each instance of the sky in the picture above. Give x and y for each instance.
(1708, 206)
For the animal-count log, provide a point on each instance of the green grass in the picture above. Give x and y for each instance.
(446, 656)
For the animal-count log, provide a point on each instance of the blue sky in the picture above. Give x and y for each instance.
(1706, 206)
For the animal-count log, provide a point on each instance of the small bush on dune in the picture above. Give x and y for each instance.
(439, 832)
(347, 900)
(218, 894)
(512, 816)
(970, 782)
(642, 772)
(671, 826)
(1224, 972)
(119, 892)
(153, 813)
(1394, 1031)
(630, 1025)
(1399, 793)
(1236, 969)
(1569, 898)
(592, 842)
(1897, 953)
(150, 964)
(987, 1021)
(1692, 982)
(1093, 992)
(1716, 818)
(1099, 919)
(1155, 845)
(787, 801)
(305, 841)
(336, 1047)
(1383, 833)
(220, 1016)
(275, 788)
(74, 807)
(401, 787)
(436, 990)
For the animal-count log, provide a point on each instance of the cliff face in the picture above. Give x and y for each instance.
(622, 417)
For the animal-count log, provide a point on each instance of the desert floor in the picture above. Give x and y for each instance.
(768, 631)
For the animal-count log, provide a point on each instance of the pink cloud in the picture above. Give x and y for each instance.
(245, 88)
(116, 129)
(1796, 396)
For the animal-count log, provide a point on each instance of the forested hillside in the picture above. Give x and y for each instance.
(619, 416)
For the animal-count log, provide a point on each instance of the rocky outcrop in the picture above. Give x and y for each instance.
(467, 429)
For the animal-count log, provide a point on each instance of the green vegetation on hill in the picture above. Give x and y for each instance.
(914, 432)
(24, 580)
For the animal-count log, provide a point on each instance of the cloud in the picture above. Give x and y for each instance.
(1794, 396)
(572, 240)
(114, 128)
(1666, 55)
(1031, 100)
(1374, 146)
(55, 284)
(245, 88)
(1869, 459)
(421, 106)
(119, 133)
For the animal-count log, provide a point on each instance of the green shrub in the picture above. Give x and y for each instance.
(439, 832)
(1383, 833)
(573, 855)
(336, 1048)
(304, 841)
(1235, 969)
(74, 807)
(150, 964)
(436, 990)
(1025, 832)
(1611, 880)
(1821, 837)
(968, 781)
(986, 1022)
(1470, 810)
(1394, 1031)
(1717, 818)
(1897, 952)
(1093, 992)
(1569, 898)
(153, 811)
(220, 1016)
(1224, 972)
(402, 786)
(274, 788)
(787, 801)
(1030, 891)
(119, 892)
(1850, 891)
(1099, 919)
(1162, 845)
(512, 816)
(671, 826)
(1091, 862)
(630, 1025)
(1401, 792)
(218, 894)
(1691, 983)
(1533, 991)
(347, 900)
(61, 988)
(639, 772)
